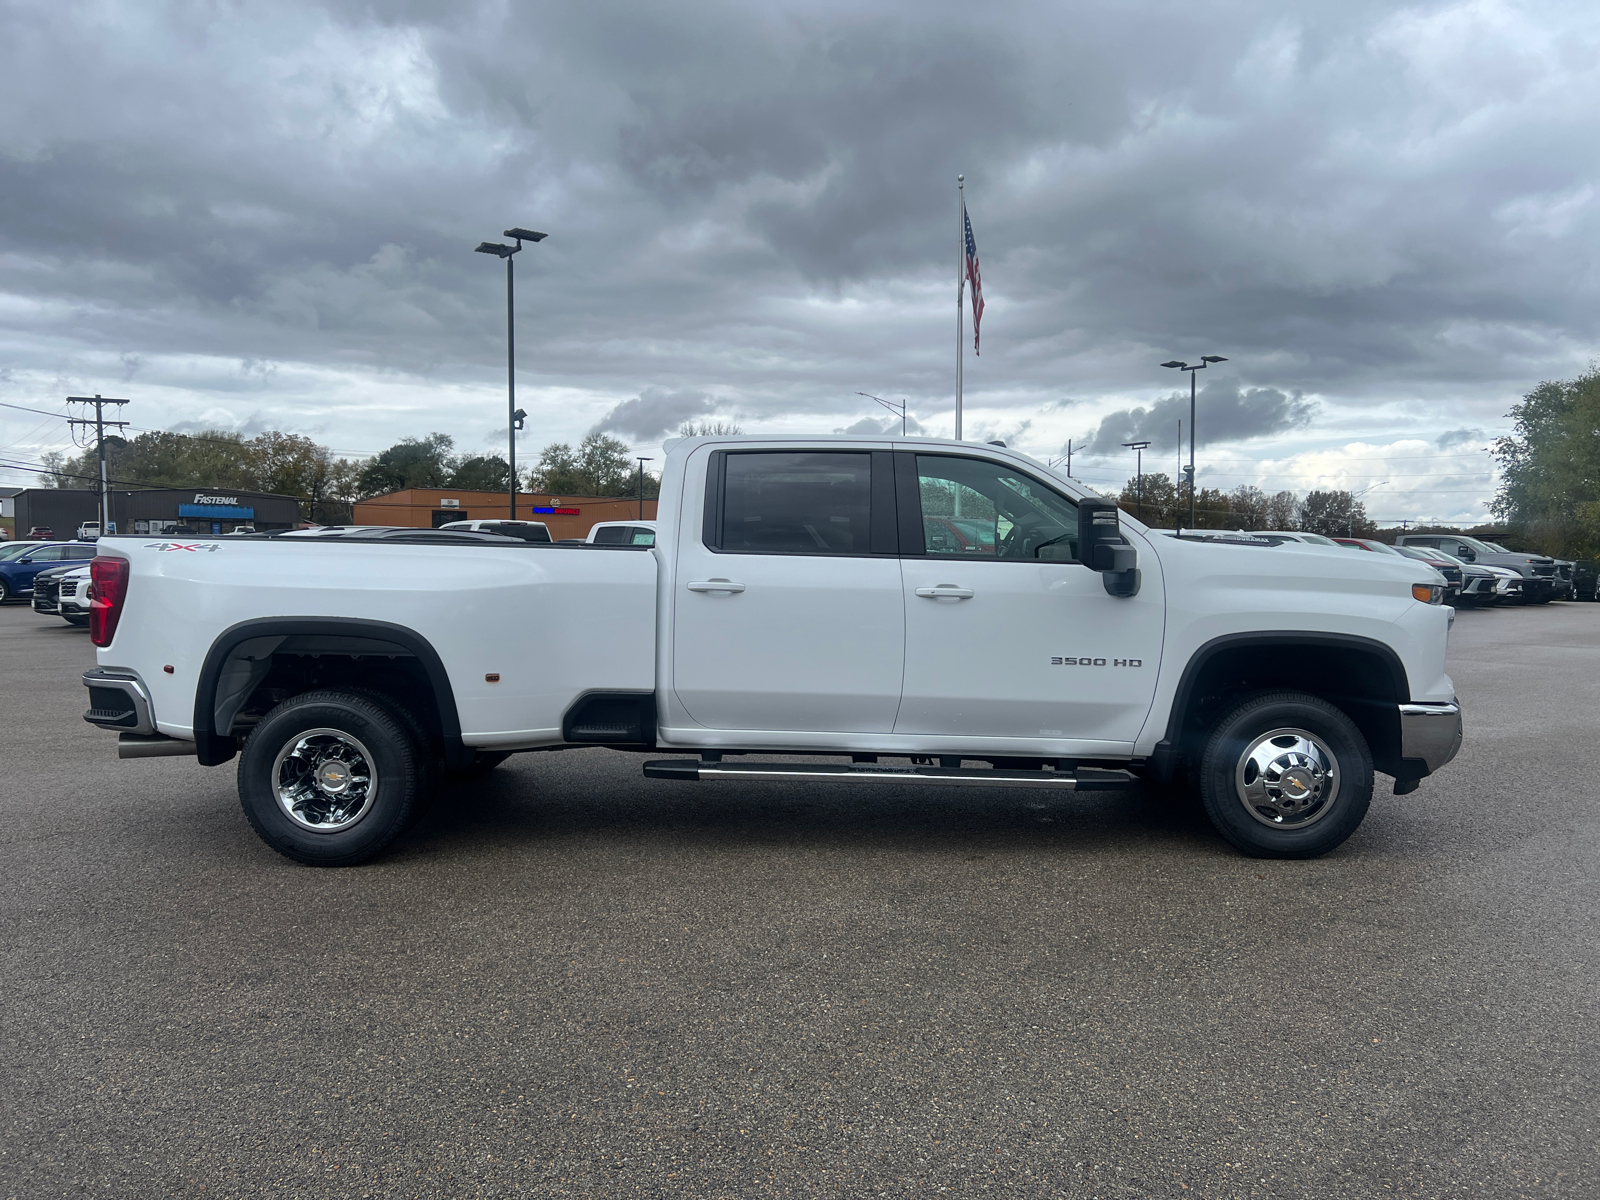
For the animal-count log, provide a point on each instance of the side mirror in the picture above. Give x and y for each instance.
(24, 560)
(1468, 555)
(1102, 548)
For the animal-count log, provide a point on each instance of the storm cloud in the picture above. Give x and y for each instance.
(1224, 413)
(654, 413)
(1382, 215)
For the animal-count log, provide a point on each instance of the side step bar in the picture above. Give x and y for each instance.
(1085, 779)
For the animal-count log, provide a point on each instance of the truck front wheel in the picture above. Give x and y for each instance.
(329, 778)
(1286, 775)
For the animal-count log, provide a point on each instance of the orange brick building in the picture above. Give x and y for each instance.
(429, 508)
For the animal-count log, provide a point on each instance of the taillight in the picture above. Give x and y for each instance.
(109, 584)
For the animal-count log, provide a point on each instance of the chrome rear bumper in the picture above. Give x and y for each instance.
(1430, 732)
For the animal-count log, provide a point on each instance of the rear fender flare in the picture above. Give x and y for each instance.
(215, 748)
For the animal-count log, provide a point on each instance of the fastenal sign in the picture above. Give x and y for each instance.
(226, 501)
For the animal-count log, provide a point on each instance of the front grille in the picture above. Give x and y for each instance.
(1544, 572)
(69, 588)
(1564, 570)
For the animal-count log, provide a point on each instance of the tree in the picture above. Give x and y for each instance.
(1282, 511)
(409, 463)
(1160, 504)
(708, 429)
(1334, 514)
(601, 466)
(1550, 467)
(480, 473)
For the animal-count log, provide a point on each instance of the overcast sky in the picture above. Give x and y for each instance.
(258, 216)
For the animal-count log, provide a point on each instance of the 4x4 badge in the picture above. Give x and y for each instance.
(190, 546)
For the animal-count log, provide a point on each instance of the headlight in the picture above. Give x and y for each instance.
(1427, 593)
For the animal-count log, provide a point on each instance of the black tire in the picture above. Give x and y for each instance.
(5, 591)
(78, 621)
(1298, 828)
(369, 736)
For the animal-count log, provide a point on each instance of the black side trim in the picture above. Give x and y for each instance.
(1169, 749)
(611, 719)
(215, 749)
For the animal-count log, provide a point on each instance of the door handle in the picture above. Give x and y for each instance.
(715, 585)
(946, 589)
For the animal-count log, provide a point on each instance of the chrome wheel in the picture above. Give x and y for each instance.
(324, 780)
(1287, 779)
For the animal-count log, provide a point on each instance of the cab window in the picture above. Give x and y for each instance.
(799, 502)
(972, 508)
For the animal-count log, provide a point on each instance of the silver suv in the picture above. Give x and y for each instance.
(1538, 572)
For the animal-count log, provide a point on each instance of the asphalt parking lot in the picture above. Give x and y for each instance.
(573, 981)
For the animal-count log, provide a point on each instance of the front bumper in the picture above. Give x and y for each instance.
(1430, 733)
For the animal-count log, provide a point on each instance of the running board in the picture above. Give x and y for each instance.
(1085, 779)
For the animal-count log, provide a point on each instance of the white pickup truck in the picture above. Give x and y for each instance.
(933, 613)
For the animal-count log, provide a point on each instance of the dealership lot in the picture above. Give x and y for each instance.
(574, 981)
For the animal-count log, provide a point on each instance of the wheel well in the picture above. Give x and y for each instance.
(1363, 679)
(254, 667)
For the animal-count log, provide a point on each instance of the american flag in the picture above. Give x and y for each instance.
(974, 277)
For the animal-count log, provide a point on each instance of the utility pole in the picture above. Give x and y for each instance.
(1069, 458)
(99, 424)
(642, 462)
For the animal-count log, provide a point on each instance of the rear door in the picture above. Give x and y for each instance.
(1007, 634)
(787, 609)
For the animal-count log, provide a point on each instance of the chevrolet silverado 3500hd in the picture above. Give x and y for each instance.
(957, 607)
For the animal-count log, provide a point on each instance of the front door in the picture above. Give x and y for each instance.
(787, 611)
(1007, 635)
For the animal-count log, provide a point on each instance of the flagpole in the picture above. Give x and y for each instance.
(961, 283)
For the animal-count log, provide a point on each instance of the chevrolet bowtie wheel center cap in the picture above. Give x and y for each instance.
(1287, 778)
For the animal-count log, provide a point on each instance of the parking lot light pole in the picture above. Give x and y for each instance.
(1138, 449)
(642, 462)
(1205, 361)
(514, 416)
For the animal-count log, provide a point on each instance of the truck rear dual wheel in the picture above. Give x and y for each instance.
(1286, 775)
(330, 778)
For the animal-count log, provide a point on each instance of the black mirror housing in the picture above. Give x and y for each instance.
(1101, 546)
(1099, 534)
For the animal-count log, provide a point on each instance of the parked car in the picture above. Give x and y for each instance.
(89, 531)
(17, 574)
(1585, 577)
(623, 533)
(1538, 571)
(1451, 575)
(42, 533)
(1475, 586)
(61, 591)
(792, 605)
(13, 549)
(1564, 589)
(528, 531)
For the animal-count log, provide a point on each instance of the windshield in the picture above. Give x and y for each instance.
(1498, 548)
(13, 551)
(1482, 547)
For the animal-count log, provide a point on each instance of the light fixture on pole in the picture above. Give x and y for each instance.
(1138, 449)
(514, 415)
(1205, 361)
(1350, 514)
(642, 462)
(898, 410)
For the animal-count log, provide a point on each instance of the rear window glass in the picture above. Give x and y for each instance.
(804, 502)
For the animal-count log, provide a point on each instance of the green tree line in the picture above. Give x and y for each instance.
(1162, 503)
(327, 486)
